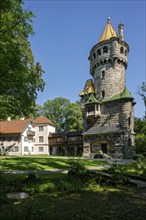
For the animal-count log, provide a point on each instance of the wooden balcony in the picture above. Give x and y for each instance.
(92, 113)
(30, 133)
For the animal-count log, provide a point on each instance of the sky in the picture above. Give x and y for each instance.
(65, 32)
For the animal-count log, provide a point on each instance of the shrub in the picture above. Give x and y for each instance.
(76, 167)
(31, 178)
(139, 164)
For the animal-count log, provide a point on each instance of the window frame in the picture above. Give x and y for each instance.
(41, 139)
(41, 128)
(40, 148)
(103, 94)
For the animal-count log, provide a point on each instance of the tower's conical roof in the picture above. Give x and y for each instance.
(88, 88)
(108, 32)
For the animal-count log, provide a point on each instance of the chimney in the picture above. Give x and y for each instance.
(121, 28)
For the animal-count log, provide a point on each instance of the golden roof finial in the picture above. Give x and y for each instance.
(108, 20)
(108, 32)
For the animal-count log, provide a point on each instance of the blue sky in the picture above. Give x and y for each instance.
(65, 32)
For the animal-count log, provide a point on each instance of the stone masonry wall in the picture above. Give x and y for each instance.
(113, 62)
(118, 112)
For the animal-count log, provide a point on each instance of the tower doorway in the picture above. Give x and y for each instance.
(104, 148)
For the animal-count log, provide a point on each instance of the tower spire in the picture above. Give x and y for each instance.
(108, 32)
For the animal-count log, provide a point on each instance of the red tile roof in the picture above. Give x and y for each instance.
(13, 126)
(43, 120)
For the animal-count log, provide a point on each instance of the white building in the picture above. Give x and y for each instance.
(26, 137)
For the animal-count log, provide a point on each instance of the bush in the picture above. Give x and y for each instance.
(76, 167)
(31, 178)
(141, 144)
(139, 164)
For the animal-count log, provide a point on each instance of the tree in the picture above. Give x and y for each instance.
(20, 77)
(55, 110)
(142, 93)
(140, 129)
(73, 120)
(66, 115)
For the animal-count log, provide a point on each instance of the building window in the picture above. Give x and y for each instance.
(25, 149)
(105, 50)
(25, 139)
(125, 52)
(9, 138)
(97, 107)
(129, 142)
(118, 61)
(94, 55)
(121, 50)
(41, 149)
(104, 148)
(15, 138)
(129, 121)
(98, 52)
(41, 139)
(103, 94)
(16, 148)
(3, 138)
(41, 128)
(103, 74)
(32, 149)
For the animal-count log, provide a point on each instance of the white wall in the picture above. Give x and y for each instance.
(45, 133)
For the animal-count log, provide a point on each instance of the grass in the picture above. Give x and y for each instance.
(40, 163)
(136, 168)
(59, 196)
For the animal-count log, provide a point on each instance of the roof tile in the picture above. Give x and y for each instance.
(14, 126)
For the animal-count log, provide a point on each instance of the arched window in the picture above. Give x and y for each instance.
(109, 61)
(98, 52)
(121, 50)
(25, 149)
(16, 148)
(103, 74)
(118, 61)
(103, 94)
(94, 55)
(105, 49)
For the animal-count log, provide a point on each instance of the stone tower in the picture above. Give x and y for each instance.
(108, 106)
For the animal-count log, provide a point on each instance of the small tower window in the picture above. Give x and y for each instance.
(105, 50)
(118, 61)
(98, 52)
(129, 121)
(125, 52)
(94, 55)
(103, 94)
(129, 142)
(121, 50)
(103, 74)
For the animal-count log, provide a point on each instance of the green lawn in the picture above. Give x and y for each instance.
(136, 168)
(41, 163)
(61, 196)
(57, 197)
